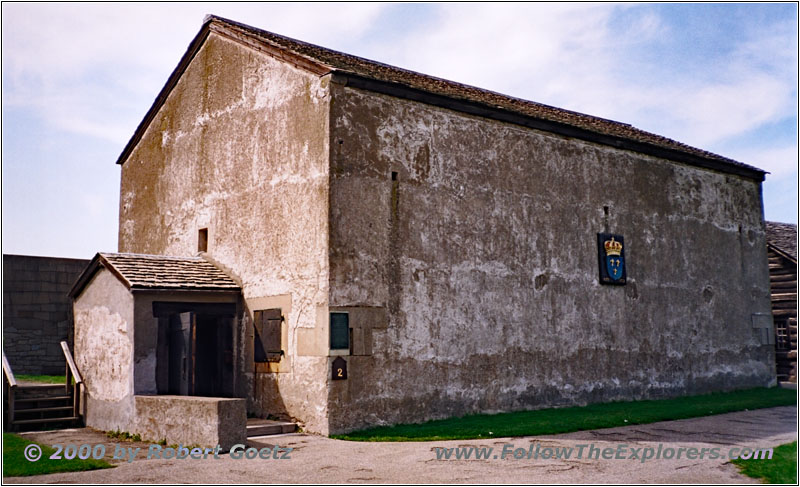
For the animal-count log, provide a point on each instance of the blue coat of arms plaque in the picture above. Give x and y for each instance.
(611, 257)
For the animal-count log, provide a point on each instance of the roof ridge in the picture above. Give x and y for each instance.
(347, 63)
(400, 82)
(268, 35)
(155, 256)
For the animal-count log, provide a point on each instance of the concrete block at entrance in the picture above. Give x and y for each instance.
(191, 420)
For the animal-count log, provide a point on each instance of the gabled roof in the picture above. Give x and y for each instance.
(783, 237)
(157, 272)
(375, 76)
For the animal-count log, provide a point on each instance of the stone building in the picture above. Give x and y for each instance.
(407, 248)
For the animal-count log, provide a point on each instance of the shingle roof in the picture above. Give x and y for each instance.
(783, 236)
(379, 71)
(330, 61)
(159, 272)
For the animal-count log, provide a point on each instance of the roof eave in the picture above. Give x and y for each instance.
(84, 277)
(183, 290)
(241, 34)
(506, 115)
(193, 48)
(782, 253)
(229, 30)
(98, 262)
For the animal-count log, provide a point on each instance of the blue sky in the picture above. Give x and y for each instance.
(78, 78)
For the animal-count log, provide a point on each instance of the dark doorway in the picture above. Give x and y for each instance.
(210, 334)
(180, 353)
(195, 349)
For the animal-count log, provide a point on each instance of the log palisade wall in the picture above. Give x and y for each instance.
(783, 283)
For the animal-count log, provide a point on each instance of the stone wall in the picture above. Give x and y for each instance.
(37, 311)
(189, 420)
(240, 148)
(478, 238)
(463, 249)
(103, 351)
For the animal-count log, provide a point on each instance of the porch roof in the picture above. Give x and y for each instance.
(158, 272)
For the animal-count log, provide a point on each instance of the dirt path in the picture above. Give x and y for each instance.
(316, 459)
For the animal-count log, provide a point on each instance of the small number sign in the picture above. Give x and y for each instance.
(339, 369)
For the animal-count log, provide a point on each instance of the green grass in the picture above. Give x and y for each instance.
(16, 465)
(781, 469)
(123, 435)
(44, 379)
(565, 420)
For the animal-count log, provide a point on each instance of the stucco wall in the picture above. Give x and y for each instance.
(37, 313)
(104, 351)
(484, 254)
(186, 421)
(240, 147)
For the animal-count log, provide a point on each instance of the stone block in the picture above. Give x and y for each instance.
(52, 287)
(22, 298)
(30, 325)
(191, 420)
(28, 275)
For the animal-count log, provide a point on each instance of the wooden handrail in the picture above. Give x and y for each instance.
(70, 362)
(12, 381)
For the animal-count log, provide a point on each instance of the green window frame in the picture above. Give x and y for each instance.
(340, 331)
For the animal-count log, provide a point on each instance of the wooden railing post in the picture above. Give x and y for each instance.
(12, 386)
(72, 373)
(68, 375)
(10, 406)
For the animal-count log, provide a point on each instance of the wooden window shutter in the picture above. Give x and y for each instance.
(267, 336)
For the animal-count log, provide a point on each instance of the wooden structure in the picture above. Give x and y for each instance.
(782, 253)
(30, 405)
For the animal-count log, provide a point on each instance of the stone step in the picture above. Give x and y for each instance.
(45, 420)
(271, 441)
(266, 427)
(41, 398)
(24, 392)
(42, 410)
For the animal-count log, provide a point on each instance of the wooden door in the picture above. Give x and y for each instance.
(181, 358)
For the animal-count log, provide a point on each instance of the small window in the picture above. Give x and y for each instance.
(782, 338)
(340, 331)
(202, 240)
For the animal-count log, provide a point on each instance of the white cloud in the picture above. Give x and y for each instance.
(511, 48)
(577, 56)
(94, 69)
(705, 114)
(780, 162)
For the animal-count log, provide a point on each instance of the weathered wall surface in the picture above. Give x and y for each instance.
(211, 421)
(484, 254)
(103, 351)
(37, 312)
(240, 148)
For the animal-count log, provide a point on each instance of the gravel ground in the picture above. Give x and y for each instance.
(316, 459)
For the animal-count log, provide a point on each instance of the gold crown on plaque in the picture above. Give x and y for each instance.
(613, 247)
